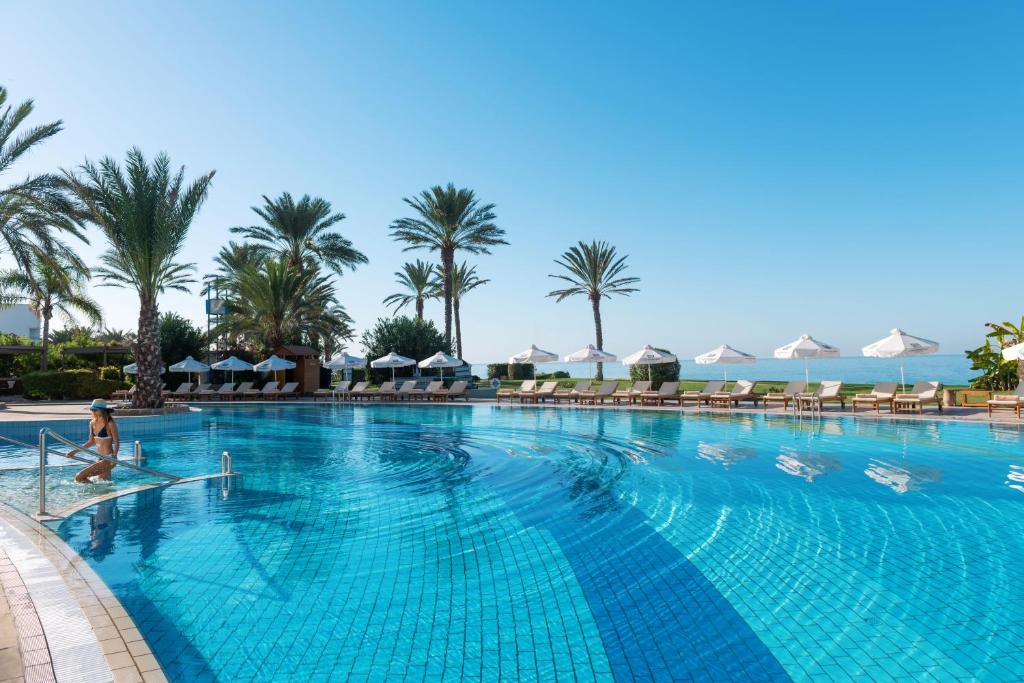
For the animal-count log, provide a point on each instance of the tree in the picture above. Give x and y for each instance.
(464, 280)
(1007, 334)
(300, 233)
(274, 304)
(51, 285)
(231, 260)
(32, 209)
(447, 220)
(594, 271)
(145, 212)
(409, 337)
(418, 280)
(180, 338)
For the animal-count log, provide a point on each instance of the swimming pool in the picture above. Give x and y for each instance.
(483, 543)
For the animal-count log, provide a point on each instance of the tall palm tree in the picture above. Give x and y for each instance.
(32, 210)
(232, 259)
(464, 280)
(594, 271)
(418, 281)
(301, 233)
(145, 211)
(274, 304)
(448, 219)
(51, 287)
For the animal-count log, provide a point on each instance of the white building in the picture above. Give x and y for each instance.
(20, 320)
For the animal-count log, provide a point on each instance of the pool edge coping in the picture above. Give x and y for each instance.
(111, 629)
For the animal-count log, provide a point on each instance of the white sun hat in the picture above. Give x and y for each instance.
(724, 355)
(648, 356)
(899, 344)
(805, 348)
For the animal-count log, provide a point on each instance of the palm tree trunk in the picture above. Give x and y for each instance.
(147, 356)
(595, 302)
(1020, 371)
(419, 308)
(458, 329)
(447, 264)
(44, 362)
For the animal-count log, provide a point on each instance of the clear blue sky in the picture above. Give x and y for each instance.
(770, 168)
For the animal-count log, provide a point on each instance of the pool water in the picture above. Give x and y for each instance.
(483, 543)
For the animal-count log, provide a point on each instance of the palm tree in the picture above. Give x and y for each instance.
(1007, 334)
(51, 287)
(145, 212)
(448, 219)
(418, 280)
(594, 271)
(31, 209)
(300, 233)
(231, 260)
(274, 304)
(464, 280)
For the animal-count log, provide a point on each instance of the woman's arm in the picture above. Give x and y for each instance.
(115, 444)
(88, 444)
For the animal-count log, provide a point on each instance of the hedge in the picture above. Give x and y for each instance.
(501, 371)
(67, 385)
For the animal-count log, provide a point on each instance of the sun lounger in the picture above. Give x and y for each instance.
(331, 392)
(546, 391)
(511, 393)
(668, 391)
(743, 390)
(829, 391)
(351, 393)
(704, 395)
(605, 390)
(237, 392)
(210, 393)
(574, 393)
(124, 394)
(456, 390)
(920, 395)
(1013, 403)
(883, 393)
(786, 396)
(428, 392)
(183, 392)
(252, 393)
(287, 391)
(632, 394)
(407, 390)
(385, 391)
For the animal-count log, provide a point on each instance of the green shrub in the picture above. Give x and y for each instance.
(409, 337)
(557, 374)
(663, 372)
(519, 371)
(111, 372)
(67, 385)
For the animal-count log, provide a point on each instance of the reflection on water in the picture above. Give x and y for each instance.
(901, 479)
(102, 529)
(806, 466)
(724, 454)
(1015, 479)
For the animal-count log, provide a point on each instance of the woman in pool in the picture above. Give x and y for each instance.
(103, 438)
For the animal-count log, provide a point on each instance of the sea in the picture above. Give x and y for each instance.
(945, 368)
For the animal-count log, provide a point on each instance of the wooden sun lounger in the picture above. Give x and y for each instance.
(210, 393)
(882, 394)
(920, 395)
(511, 393)
(546, 391)
(828, 391)
(632, 393)
(183, 392)
(574, 393)
(786, 396)
(353, 393)
(238, 392)
(408, 391)
(605, 390)
(258, 393)
(456, 390)
(668, 391)
(743, 390)
(704, 395)
(1012, 403)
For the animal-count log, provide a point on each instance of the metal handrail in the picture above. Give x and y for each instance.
(46, 432)
(54, 451)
